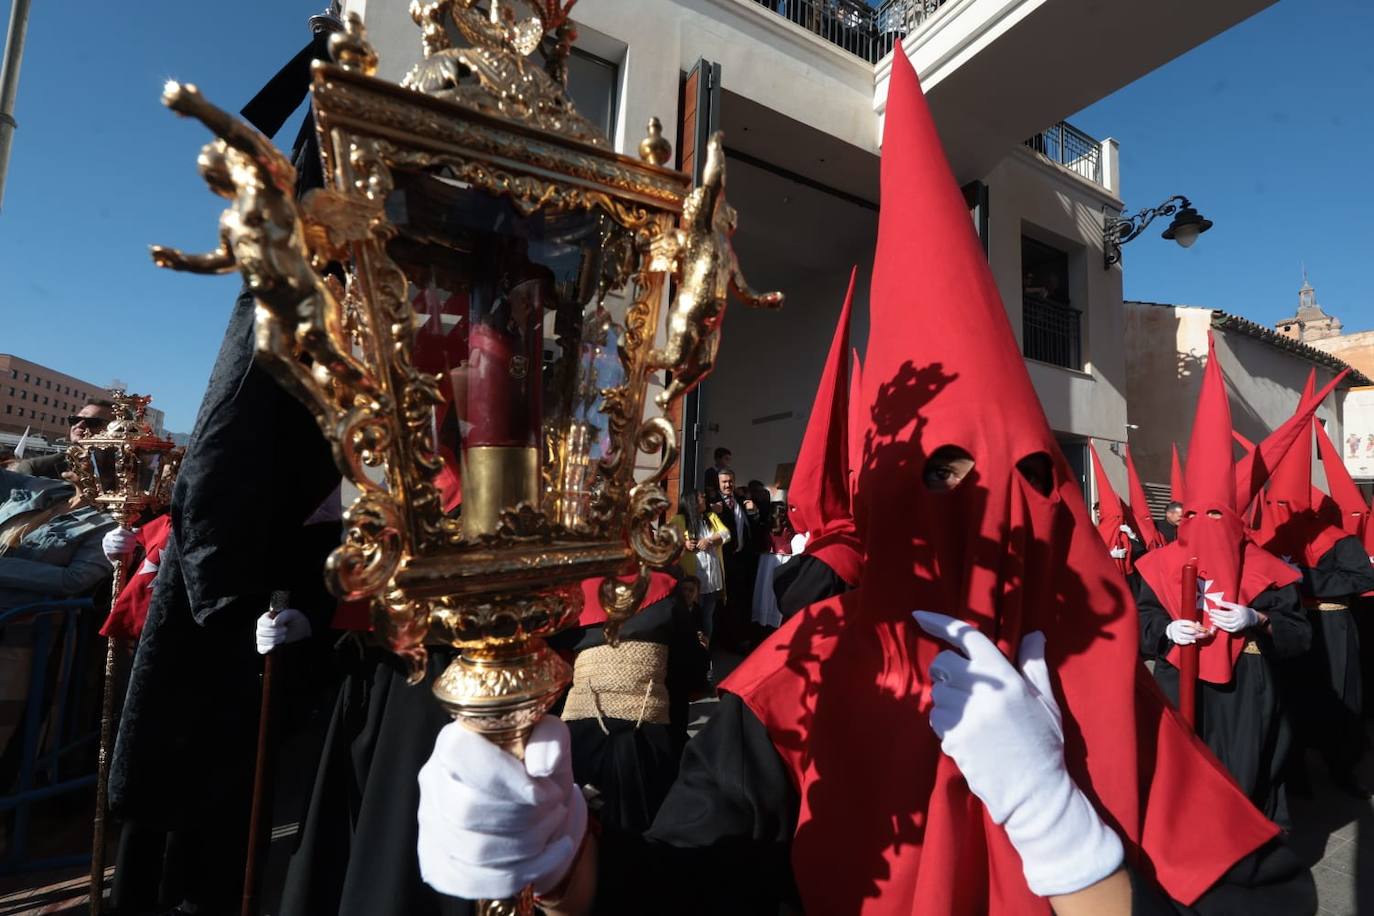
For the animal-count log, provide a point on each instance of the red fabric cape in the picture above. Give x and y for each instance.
(1163, 570)
(131, 607)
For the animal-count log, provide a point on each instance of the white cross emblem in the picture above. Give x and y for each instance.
(1205, 596)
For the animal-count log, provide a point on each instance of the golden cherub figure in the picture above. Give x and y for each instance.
(707, 272)
(274, 242)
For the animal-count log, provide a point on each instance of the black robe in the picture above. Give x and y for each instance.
(804, 580)
(356, 852)
(632, 765)
(721, 843)
(1243, 721)
(1326, 685)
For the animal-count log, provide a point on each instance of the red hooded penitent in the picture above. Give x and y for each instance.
(1111, 514)
(887, 824)
(1140, 508)
(819, 496)
(1229, 565)
(1344, 492)
(1291, 527)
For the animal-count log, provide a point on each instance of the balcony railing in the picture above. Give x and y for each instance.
(1070, 147)
(865, 28)
(1051, 332)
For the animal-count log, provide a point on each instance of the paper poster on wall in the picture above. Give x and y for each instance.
(1358, 444)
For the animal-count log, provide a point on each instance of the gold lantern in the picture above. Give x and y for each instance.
(127, 471)
(469, 308)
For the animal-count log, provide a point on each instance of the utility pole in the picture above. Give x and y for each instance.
(9, 82)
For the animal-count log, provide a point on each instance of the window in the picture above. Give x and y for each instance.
(23, 395)
(49, 383)
(26, 376)
(9, 408)
(592, 84)
(14, 373)
(1051, 328)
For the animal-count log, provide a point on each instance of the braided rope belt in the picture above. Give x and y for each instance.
(628, 682)
(1317, 604)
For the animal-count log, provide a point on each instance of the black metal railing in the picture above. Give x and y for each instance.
(865, 28)
(1070, 147)
(1051, 332)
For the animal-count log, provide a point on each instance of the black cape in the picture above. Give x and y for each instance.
(1243, 722)
(804, 580)
(1325, 685)
(721, 843)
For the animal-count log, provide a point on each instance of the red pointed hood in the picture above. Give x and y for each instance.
(1291, 526)
(1176, 477)
(1344, 492)
(1111, 512)
(1229, 566)
(819, 497)
(897, 831)
(1254, 470)
(1140, 507)
(857, 420)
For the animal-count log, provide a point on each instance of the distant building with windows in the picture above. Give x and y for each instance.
(37, 398)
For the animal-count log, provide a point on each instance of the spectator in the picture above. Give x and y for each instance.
(703, 537)
(783, 543)
(1169, 527)
(740, 514)
(90, 420)
(49, 548)
(723, 457)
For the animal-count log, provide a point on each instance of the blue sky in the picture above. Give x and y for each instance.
(1268, 128)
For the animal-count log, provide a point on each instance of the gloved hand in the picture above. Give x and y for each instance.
(1185, 632)
(1129, 532)
(1118, 553)
(290, 625)
(118, 543)
(986, 713)
(489, 824)
(1234, 618)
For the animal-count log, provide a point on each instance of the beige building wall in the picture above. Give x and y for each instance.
(1356, 349)
(1166, 353)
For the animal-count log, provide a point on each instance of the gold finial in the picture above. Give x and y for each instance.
(654, 147)
(350, 48)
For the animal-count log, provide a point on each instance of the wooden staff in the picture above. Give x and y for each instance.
(113, 647)
(1188, 655)
(260, 816)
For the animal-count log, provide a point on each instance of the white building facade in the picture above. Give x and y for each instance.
(799, 87)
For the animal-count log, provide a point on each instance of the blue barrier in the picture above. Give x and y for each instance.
(41, 773)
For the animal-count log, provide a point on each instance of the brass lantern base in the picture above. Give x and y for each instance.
(501, 691)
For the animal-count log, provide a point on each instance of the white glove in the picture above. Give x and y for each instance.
(491, 825)
(1118, 553)
(986, 713)
(1185, 632)
(118, 543)
(290, 625)
(1235, 618)
(1129, 532)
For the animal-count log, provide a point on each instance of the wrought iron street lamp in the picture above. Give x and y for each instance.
(1186, 226)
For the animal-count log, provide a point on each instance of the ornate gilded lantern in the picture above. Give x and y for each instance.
(469, 307)
(127, 471)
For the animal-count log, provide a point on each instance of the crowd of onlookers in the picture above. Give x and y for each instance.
(736, 536)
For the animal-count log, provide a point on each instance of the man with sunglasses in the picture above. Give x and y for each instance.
(90, 420)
